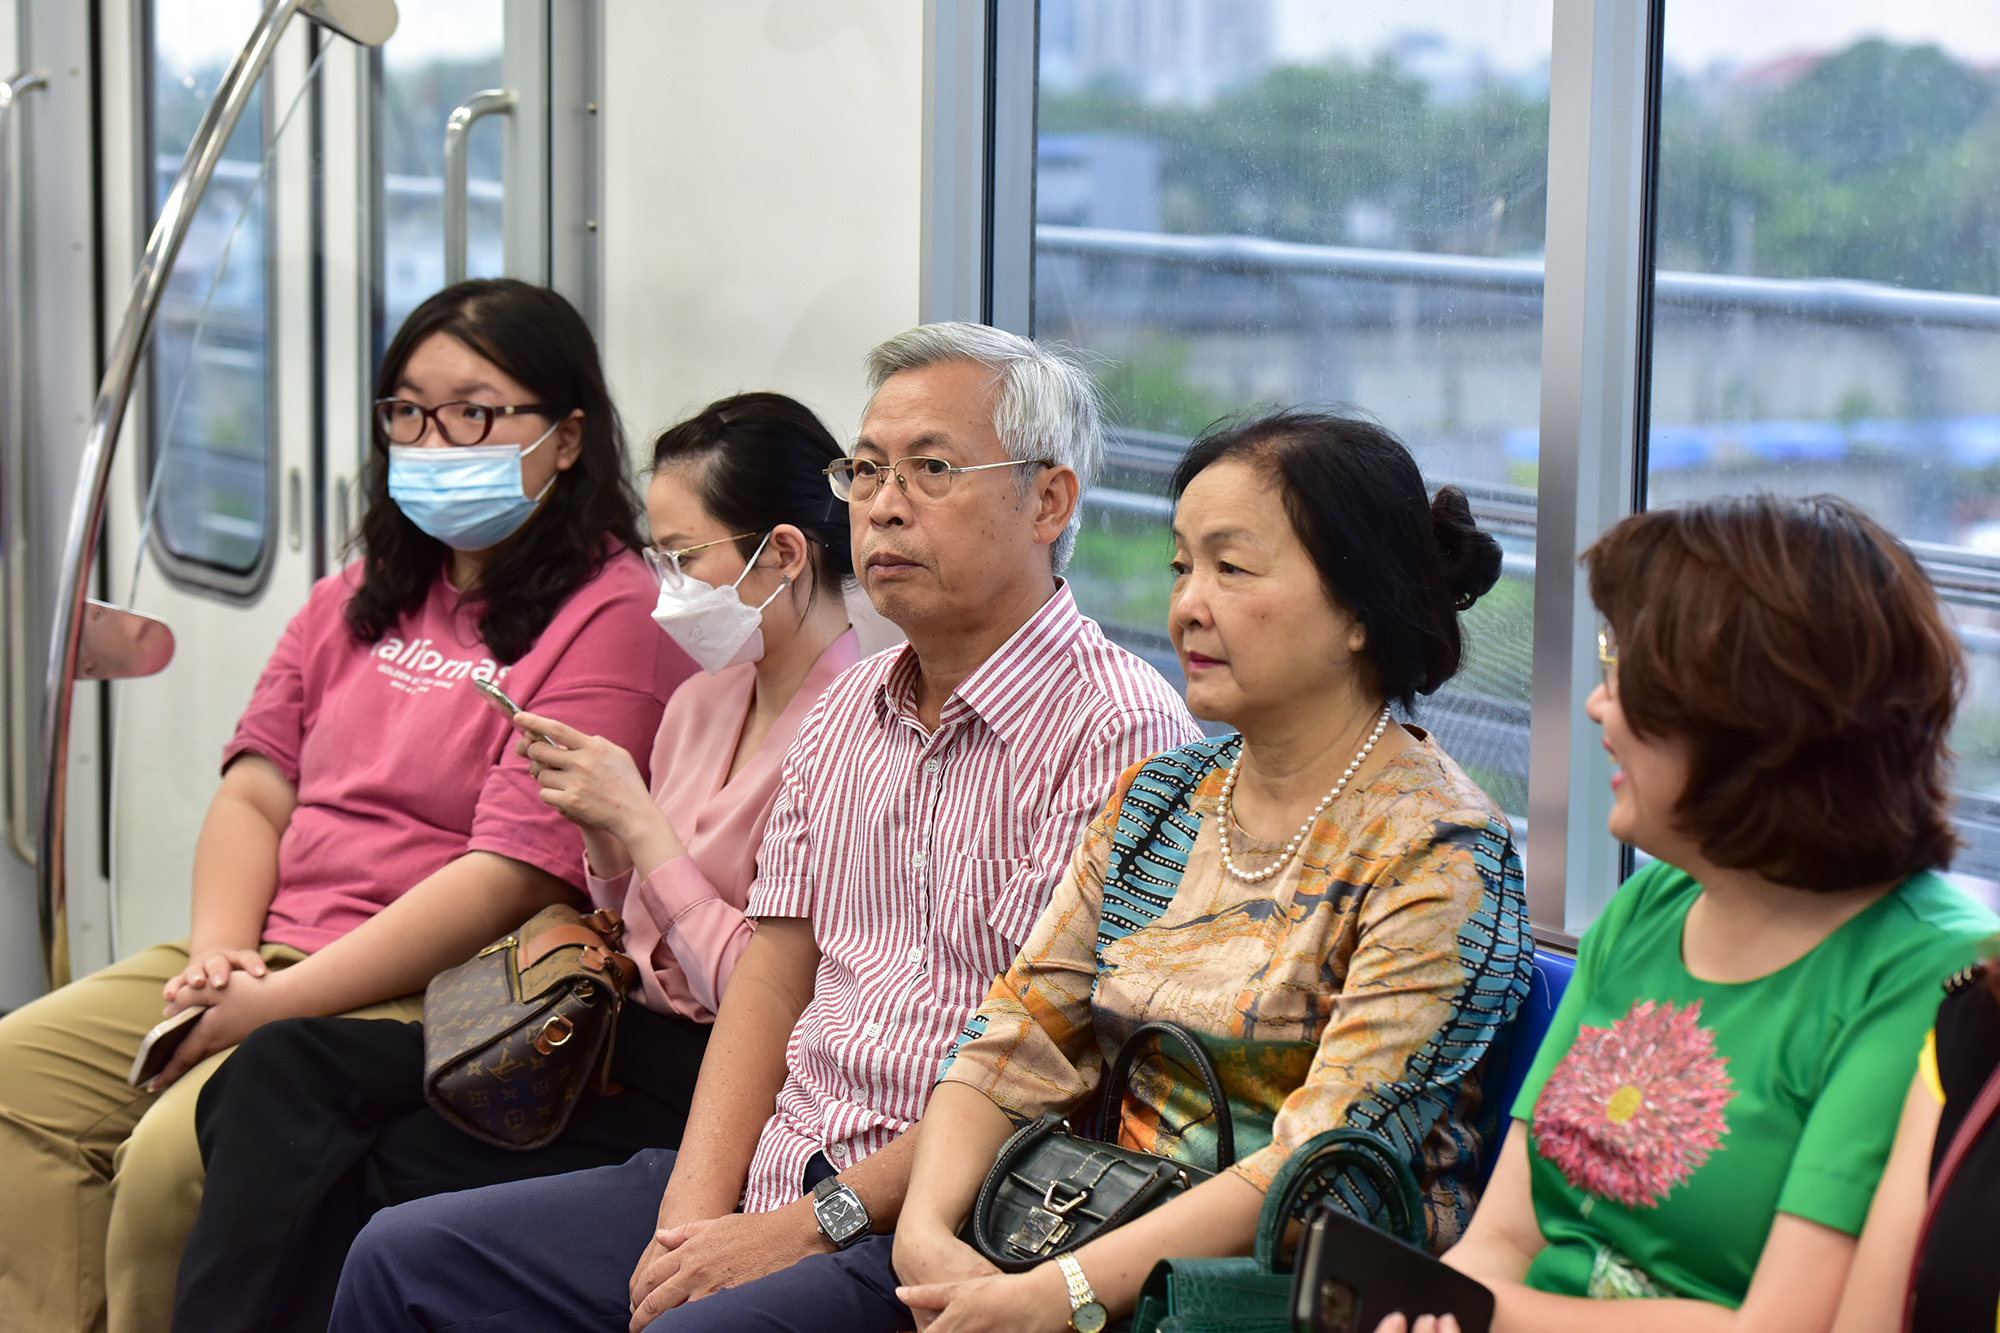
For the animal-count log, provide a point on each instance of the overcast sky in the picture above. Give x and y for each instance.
(197, 33)
(1515, 33)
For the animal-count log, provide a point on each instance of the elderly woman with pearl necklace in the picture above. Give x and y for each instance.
(1322, 896)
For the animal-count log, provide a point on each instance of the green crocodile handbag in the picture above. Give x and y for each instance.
(1253, 1295)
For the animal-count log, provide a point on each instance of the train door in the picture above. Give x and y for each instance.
(51, 285)
(235, 485)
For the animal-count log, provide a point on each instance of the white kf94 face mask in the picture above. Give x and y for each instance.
(711, 624)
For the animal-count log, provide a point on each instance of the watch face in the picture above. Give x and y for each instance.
(841, 1215)
(1088, 1318)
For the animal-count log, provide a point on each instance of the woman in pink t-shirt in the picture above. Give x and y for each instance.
(373, 824)
(317, 1123)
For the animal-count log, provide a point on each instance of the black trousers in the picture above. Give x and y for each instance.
(316, 1124)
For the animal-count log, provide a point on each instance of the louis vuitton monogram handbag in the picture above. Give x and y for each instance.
(514, 1037)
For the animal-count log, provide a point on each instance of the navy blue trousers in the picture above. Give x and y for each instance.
(555, 1255)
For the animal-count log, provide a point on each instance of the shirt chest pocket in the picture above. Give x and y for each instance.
(985, 909)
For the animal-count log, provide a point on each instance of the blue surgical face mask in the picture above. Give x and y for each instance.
(467, 497)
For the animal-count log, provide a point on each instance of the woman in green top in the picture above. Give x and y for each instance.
(1704, 1127)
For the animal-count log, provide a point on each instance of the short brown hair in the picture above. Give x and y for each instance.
(1799, 651)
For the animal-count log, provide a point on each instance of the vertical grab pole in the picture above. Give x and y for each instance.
(457, 185)
(86, 516)
(20, 803)
(370, 22)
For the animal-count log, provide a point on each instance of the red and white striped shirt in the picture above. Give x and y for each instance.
(924, 858)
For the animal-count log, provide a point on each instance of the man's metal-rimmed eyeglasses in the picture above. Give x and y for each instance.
(463, 423)
(667, 564)
(857, 479)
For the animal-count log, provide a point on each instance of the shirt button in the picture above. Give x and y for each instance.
(916, 953)
(931, 766)
(918, 858)
(838, 1152)
(872, 1031)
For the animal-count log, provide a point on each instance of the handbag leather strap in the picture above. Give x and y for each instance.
(1977, 1118)
(1309, 1173)
(1116, 1086)
(598, 955)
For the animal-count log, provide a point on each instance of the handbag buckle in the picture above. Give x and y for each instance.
(1059, 1209)
(1047, 1224)
(554, 1033)
(1040, 1232)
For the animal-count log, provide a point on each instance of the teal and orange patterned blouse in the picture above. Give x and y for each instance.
(1361, 986)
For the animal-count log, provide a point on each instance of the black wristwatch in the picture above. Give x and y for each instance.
(842, 1217)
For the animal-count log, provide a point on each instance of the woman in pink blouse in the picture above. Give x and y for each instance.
(316, 1124)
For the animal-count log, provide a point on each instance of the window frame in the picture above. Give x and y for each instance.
(978, 264)
(239, 587)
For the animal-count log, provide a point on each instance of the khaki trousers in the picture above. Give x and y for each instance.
(99, 1181)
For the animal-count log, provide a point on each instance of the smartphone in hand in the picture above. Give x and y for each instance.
(1349, 1277)
(158, 1046)
(496, 696)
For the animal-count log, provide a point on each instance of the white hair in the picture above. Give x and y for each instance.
(1048, 405)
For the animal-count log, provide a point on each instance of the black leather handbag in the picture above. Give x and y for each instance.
(1052, 1190)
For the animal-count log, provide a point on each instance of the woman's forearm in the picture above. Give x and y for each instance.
(440, 922)
(649, 840)
(963, 1131)
(1795, 1289)
(603, 854)
(1216, 1218)
(236, 856)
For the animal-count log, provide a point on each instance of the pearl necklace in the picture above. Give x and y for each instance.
(1228, 816)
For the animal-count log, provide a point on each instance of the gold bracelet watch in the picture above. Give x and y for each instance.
(1086, 1312)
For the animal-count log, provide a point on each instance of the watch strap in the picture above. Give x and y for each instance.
(1080, 1293)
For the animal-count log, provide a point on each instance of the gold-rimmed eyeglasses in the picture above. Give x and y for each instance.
(1607, 658)
(667, 564)
(857, 479)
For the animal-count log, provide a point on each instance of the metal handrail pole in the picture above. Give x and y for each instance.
(86, 515)
(20, 806)
(457, 167)
(1829, 300)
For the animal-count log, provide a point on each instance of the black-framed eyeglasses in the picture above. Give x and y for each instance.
(402, 421)
(857, 479)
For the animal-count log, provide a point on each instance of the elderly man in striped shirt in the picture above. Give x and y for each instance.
(928, 807)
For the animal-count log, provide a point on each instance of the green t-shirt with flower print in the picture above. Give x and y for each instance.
(1670, 1118)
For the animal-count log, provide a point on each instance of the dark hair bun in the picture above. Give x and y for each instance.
(1471, 557)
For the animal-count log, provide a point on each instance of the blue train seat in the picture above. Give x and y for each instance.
(1515, 1054)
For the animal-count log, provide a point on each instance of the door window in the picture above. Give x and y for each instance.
(443, 52)
(209, 438)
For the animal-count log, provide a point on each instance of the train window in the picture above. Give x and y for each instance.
(210, 372)
(1827, 295)
(443, 52)
(1243, 203)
